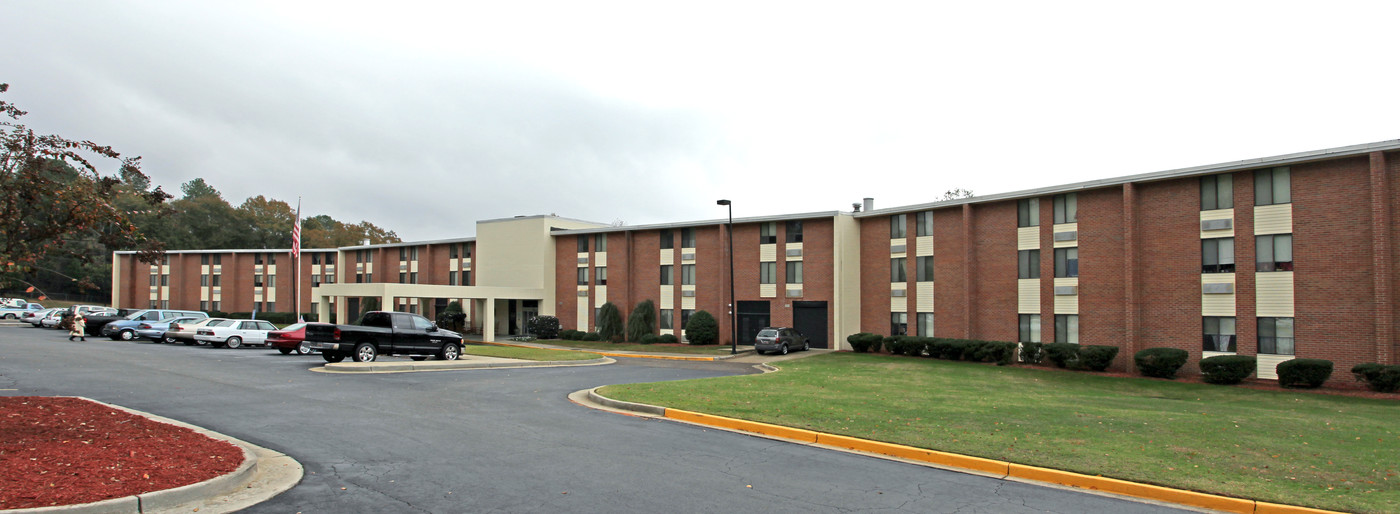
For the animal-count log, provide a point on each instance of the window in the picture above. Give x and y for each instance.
(685, 316)
(257, 258)
(794, 231)
(1029, 328)
(897, 271)
(165, 280)
(602, 243)
(359, 277)
(923, 223)
(582, 244)
(664, 319)
(1218, 255)
(1028, 212)
(315, 307)
(688, 274)
(1273, 253)
(767, 272)
(257, 280)
(1276, 336)
(272, 258)
(330, 259)
(272, 281)
(1217, 192)
(315, 258)
(794, 272)
(897, 226)
(216, 280)
(413, 277)
(218, 259)
(1067, 208)
(204, 259)
(154, 279)
(204, 305)
(257, 306)
(271, 306)
(214, 305)
(403, 277)
(767, 233)
(203, 280)
(601, 275)
(452, 251)
(899, 323)
(1066, 262)
(583, 276)
(668, 273)
(1028, 264)
(687, 238)
(155, 304)
(923, 269)
(330, 279)
(666, 240)
(403, 253)
(1067, 328)
(1219, 334)
(369, 255)
(925, 324)
(466, 278)
(1272, 186)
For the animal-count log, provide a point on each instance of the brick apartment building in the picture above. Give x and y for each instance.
(1280, 257)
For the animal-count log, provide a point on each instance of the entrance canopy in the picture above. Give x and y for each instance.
(483, 297)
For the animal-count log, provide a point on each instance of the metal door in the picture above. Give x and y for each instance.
(752, 317)
(810, 319)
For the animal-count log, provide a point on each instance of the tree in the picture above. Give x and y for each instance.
(55, 203)
(267, 222)
(642, 322)
(956, 193)
(452, 316)
(368, 305)
(609, 322)
(702, 328)
(197, 188)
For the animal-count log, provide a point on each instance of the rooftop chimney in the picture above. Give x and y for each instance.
(869, 204)
(364, 243)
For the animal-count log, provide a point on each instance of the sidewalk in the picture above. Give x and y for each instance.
(745, 352)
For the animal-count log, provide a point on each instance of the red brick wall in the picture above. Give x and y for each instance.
(1333, 288)
(949, 273)
(1169, 267)
(875, 274)
(566, 282)
(994, 268)
(1101, 266)
(1245, 325)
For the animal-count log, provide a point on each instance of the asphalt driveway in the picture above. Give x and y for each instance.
(497, 440)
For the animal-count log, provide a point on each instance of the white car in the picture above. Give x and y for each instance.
(52, 319)
(233, 333)
(38, 318)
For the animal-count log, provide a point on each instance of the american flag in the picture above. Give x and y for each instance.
(296, 234)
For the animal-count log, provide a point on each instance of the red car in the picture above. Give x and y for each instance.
(290, 339)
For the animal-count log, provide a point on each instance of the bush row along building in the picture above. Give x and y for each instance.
(1276, 257)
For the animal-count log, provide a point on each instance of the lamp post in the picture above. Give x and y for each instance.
(733, 322)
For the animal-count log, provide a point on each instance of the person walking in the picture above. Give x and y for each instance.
(78, 329)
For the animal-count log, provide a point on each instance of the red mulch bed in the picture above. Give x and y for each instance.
(63, 451)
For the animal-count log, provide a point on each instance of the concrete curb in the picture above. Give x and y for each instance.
(962, 463)
(671, 357)
(200, 496)
(410, 367)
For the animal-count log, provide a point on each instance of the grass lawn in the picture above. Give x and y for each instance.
(709, 350)
(1282, 446)
(529, 354)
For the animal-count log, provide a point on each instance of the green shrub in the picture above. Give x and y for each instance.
(1378, 377)
(570, 335)
(1032, 353)
(669, 339)
(543, 327)
(971, 350)
(1064, 355)
(875, 342)
(649, 339)
(1160, 362)
(1096, 358)
(909, 345)
(452, 317)
(702, 329)
(591, 336)
(609, 323)
(859, 343)
(999, 352)
(1304, 373)
(642, 321)
(954, 349)
(1227, 369)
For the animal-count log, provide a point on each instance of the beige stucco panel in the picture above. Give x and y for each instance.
(924, 301)
(1273, 219)
(1028, 238)
(1273, 292)
(923, 246)
(1028, 296)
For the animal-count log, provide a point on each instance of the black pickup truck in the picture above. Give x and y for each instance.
(384, 333)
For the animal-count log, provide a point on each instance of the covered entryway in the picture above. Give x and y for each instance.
(496, 309)
(752, 316)
(809, 318)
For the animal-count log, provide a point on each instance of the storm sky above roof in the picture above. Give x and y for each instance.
(423, 117)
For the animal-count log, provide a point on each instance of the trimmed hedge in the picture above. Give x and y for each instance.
(1304, 373)
(650, 339)
(1064, 355)
(670, 339)
(570, 335)
(1096, 357)
(591, 336)
(1378, 377)
(1160, 362)
(1227, 369)
(1032, 353)
(543, 327)
(702, 328)
(865, 342)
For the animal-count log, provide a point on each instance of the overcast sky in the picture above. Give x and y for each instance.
(425, 117)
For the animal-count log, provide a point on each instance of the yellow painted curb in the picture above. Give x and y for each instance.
(609, 354)
(1274, 508)
(796, 434)
(995, 467)
(1113, 485)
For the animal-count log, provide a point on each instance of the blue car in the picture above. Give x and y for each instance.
(155, 330)
(125, 329)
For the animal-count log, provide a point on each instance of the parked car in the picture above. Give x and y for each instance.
(291, 338)
(125, 328)
(36, 318)
(780, 340)
(97, 316)
(386, 333)
(53, 319)
(17, 312)
(13, 303)
(184, 332)
(234, 333)
(155, 330)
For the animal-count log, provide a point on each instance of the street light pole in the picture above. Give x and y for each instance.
(733, 322)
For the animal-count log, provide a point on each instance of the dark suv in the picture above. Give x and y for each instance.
(780, 340)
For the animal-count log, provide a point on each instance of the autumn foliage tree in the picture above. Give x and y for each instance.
(54, 202)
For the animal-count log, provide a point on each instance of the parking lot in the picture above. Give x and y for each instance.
(493, 440)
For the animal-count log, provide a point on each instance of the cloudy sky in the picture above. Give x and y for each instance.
(424, 117)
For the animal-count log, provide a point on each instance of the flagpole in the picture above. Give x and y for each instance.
(296, 261)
